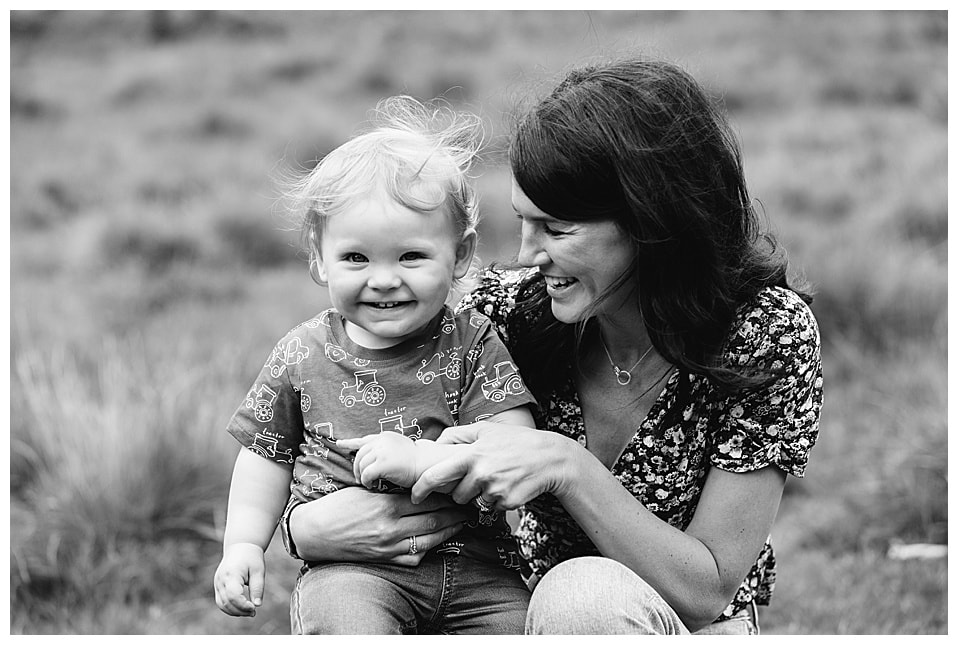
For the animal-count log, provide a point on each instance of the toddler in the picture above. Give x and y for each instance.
(389, 222)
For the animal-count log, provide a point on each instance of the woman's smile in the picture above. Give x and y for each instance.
(582, 263)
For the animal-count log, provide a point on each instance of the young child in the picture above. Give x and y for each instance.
(390, 228)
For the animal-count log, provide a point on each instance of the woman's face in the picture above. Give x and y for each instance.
(580, 261)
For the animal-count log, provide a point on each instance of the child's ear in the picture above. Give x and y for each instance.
(317, 270)
(464, 252)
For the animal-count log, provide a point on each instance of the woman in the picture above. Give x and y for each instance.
(678, 374)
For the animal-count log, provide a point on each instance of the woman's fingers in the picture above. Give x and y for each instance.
(445, 472)
(424, 542)
(460, 434)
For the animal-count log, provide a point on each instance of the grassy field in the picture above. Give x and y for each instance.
(150, 277)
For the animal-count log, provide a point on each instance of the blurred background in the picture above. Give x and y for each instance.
(151, 275)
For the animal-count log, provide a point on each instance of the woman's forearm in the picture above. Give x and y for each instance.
(357, 525)
(696, 571)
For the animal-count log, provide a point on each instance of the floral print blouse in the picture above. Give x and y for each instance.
(666, 462)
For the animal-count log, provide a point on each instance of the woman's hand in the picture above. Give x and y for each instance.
(357, 525)
(508, 465)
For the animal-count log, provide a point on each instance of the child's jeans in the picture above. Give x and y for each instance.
(445, 594)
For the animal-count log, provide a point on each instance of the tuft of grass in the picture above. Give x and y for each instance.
(129, 458)
(857, 593)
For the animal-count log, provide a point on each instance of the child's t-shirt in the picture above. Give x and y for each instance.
(318, 386)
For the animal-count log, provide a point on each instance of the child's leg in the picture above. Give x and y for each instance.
(344, 598)
(481, 598)
(367, 598)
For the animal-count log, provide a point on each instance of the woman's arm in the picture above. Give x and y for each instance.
(696, 571)
(357, 525)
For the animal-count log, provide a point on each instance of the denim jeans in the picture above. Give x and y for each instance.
(593, 595)
(445, 594)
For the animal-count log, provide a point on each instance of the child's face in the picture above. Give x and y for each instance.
(390, 268)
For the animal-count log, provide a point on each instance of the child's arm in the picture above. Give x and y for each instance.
(258, 494)
(398, 459)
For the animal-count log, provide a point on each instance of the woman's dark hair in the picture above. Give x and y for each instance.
(639, 142)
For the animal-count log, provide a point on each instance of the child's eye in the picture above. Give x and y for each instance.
(354, 258)
(411, 256)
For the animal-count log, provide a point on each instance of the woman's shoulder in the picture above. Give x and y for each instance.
(497, 291)
(776, 319)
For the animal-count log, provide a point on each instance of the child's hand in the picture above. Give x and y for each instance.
(387, 455)
(242, 569)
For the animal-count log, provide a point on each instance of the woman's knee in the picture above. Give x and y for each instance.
(595, 595)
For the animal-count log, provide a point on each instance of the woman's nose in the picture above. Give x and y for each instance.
(531, 253)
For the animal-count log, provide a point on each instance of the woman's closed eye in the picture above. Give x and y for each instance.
(553, 232)
(544, 225)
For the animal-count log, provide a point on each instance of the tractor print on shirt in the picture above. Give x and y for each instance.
(365, 388)
(435, 366)
(506, 382)
(335, 353)
(318, 483)
(265, 446)
(394, 423)
(260, 400)
(324, 429)
(475, 353)
(448, 324)
(292, 353)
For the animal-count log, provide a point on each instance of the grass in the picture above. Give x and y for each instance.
(149, 277)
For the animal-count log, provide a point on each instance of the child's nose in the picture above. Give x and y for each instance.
(383, 278)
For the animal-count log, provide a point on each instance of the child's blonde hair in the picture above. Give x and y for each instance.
(416, 154)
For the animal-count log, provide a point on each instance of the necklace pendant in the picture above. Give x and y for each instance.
(622, 376)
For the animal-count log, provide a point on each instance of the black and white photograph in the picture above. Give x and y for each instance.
(478, 321)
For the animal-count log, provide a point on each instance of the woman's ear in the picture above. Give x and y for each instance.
(464, 252)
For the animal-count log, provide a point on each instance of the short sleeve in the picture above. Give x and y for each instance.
(494, 384)
(270, 420)
(776, 423)
(495, 296)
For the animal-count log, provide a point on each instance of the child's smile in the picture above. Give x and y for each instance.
(390, 268)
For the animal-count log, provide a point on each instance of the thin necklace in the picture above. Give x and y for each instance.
(622, 377)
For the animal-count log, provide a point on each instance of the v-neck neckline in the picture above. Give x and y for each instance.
(579, 431)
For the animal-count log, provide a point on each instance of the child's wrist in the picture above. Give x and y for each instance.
(243, 544)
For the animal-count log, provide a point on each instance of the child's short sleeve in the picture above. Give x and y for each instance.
(270, 421)
(493, 384)
(777, 423)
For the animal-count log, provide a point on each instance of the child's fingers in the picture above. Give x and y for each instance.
(257, 583)
(357, 442)
(232, 600)
(365, 460)
(360, 461)
(371, 472)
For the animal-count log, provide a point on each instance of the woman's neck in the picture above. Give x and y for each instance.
(624, 336)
